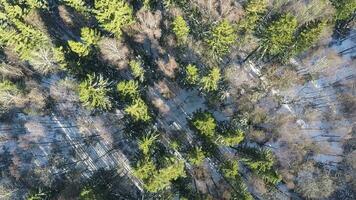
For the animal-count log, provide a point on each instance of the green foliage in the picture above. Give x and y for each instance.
(78, 5)
(260, 161)
(146, 143)
(222, 37)
(308, 35)
(344, 8)
(79, 48)
(138, 110)
(145, 170)
(232, 137)
(113, 15)
(205, 123)
(93, 92)
(180, 29)
(163, 178)
(37, 195)
(87, 193)
(278, 36)
(37, 4)
(23, 38)
(128, 89)
(254, 10)
(210, 82)
(156, 180)
(8, 92)
(89, 38)
(197, 156)
(146, 3)
(230, 169)
(191, 74)
(137, 70)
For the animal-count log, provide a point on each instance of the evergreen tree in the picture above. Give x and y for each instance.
(145, 170)
(260, 161)
(78, 5)
(137, 70)
(138, 110)
(128, 89)
(205, 123)
(344, 9)
(163, 178)
(254, 10)
(8, 95)
(230, 171)
(278, 36)
(113, 15)
(308, 35)
(210, 82)
(146, 143)
(89, 39)
(8, 90)
(180, 29)
(231, 137)
(87, 193)
(222, 37)
(93, 92)
(191, 75)
(197, 156)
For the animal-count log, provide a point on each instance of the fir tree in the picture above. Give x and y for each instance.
(146, 143)
(137, 70)
(254, 10)
(308, 35)
(205, 123)
(180, 29)
(344, 9)
(191, 74)
(89, 40)
(128, 89)
(197, 156)
(278, 36)
(222, 37)
(113, 15)
(93, 93)
(138, 110)
(210, 82)
(231, 137)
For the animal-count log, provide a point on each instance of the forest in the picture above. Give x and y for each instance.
(177, 99)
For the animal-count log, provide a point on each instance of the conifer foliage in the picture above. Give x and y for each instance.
(113, 15)
(278, 36)
(180, 29)
(94, 92)
(222, 37)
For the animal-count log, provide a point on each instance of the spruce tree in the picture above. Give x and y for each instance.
(278, 36)
(205, 123)
(113, 15)
(344, 9)
(89, 40)
(308, 35)
(137, 70)
(138, 110)
(180, 29)
(197, 156)
(222, 37)
(254, 10)
(210, 82)
(128, 89)
(94, 93)
(191, 75)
